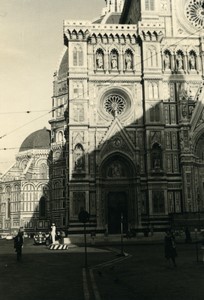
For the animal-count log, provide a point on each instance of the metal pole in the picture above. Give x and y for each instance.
(85, 246)
(121, 230)
(196, 243)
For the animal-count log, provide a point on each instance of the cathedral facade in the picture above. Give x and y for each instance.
(127, 127)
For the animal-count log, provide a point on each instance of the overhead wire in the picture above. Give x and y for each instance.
(107, 80)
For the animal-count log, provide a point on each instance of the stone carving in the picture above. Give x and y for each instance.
(167, 62)
(192, 62)
(179, 62)
(195, 13)
(114, 61)
(115, 170)
(99, 60)
(128, 61)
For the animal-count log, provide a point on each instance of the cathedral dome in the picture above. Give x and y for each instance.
(39, 139)
(63, 66)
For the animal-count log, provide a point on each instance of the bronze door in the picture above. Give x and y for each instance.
(117, 206)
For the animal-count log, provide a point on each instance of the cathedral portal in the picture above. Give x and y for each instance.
(118, 194)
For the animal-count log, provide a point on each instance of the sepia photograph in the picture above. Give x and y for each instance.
(102, 149)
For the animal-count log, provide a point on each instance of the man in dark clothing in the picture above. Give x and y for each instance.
(170, 247)
(18, 244)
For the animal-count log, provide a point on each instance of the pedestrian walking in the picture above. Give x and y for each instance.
(170, 247)
(18, 244)
(188, 236)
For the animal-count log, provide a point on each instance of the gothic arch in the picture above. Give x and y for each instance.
(198, 144)
(111, 38)
(80, 35)
(198, 133)
(117, 162)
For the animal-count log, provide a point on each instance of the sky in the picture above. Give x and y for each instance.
(31, 46)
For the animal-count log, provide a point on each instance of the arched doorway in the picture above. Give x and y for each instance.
(118, 190)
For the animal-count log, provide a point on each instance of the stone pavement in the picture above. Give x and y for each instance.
(143, 274)
(156, 238)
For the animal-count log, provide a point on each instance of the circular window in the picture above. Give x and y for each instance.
(195, 13)
(114, 104)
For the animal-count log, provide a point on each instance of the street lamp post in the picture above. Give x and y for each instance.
(121, 231)
(198, 212)
(84, 218)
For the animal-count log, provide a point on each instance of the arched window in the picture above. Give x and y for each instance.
(29, 197)
(78, 58)
(80, 55)
(16, 198)
(8, 202)
(43, 171)
(75, 57)
(149, 4)
(60, 137)
(151, 57)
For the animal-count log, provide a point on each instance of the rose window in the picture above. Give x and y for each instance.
(115, 105)
(195, 13)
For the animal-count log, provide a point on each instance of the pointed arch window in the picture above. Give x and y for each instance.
(8, 202)
(78, 59)
(43, 171)
(149, 4)
(75, 57)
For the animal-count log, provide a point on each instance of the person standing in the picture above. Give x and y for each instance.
(18, 244)
(170, 247)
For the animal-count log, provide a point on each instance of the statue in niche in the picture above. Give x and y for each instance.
(192, 62)
(128, 61)
(79, 157)
(167, 63)
(99, 60)
(114, 61)
(179, 62)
